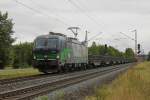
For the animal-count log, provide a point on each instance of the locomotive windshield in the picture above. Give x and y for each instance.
(46, 43)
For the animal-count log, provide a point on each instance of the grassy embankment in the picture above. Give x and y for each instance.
(132, 85)
(13, 73)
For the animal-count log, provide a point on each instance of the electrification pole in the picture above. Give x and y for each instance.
(86, 38)
(135, 41)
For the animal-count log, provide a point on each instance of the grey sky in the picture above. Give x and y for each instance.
(107, 16)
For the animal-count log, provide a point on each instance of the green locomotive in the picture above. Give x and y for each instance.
(57, 52)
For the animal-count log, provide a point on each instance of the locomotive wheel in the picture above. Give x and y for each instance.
(84, 66)
(59, 71)
(65, 68)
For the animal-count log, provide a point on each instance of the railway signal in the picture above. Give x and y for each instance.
(105, 51)
(139, 49)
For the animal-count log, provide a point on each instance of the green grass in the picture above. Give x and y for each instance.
(13, 73)
(132, 85)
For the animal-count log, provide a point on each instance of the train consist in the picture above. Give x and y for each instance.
(57, 52)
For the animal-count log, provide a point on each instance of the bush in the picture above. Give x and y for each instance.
(22, 55)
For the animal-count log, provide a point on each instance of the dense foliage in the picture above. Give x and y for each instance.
(17, 56)
(110, 51)
(22, 55)
(129, 53)
(6, 31)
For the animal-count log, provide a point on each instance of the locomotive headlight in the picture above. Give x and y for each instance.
(57, 57)
(45, 56)
(34, 57)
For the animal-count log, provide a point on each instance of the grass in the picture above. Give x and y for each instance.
(132, 85)
(13, 73)
(57, 96)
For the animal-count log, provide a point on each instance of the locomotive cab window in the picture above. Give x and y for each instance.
(46, 43)
(40, 43)
(62, 44)
(52, 43)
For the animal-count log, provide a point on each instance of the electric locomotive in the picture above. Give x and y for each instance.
(57, 52)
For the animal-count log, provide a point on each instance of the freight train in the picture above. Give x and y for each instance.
(57, 52)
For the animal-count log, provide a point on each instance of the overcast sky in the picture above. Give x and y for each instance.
(37, 17)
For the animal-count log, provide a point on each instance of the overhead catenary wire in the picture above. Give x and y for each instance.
(122, 43)
(39, 12)
(114, 41)
(127, 36)
(83, 6)
(54, 13)
(83, 11)
(94, 36)
(80, 9)
(107, 39)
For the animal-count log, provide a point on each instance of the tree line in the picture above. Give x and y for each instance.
(22, 55)
(6, 40)
(109, 51)
(16, 56)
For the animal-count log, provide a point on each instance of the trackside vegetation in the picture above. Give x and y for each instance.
(132, 85)
(21, 55)
(13, 73)
(105, 50)
(6, 40)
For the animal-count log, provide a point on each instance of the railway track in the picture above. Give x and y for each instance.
(56, 82)
(12, 80)
(25, 78)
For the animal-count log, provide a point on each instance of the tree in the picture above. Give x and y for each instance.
(22, 55)
(102, 50)
(129, 53)
(6, 32)
(93, 50)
